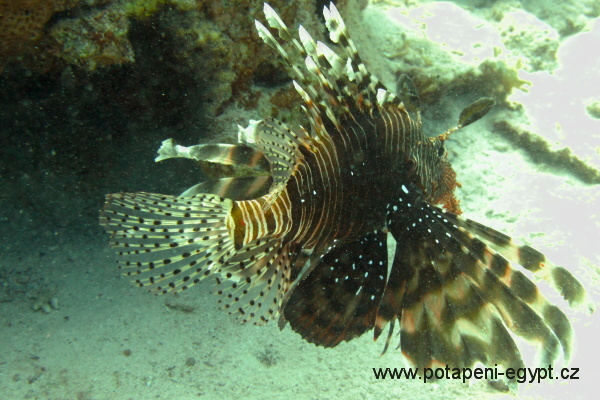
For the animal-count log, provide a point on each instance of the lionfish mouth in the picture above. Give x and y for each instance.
(301, 235)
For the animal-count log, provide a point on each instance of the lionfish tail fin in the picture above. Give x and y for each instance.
(450, 289)
(168, 243)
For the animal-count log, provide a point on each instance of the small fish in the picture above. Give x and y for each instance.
(298, 230)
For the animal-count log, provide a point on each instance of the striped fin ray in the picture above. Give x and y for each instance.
(329, 70)
(168, 243)
(369, 86)
(337, 300)
(259, 278)
(330, 87)
(281, 148)
(532, 260)
(307, 90)
(226, 154)
(517, 300)
(445, 318)
(327, 88)
(275, 22)
(309, 50)
(244, 188)
(519, 287)
(280, 145)
(332, 65)
(256, 278)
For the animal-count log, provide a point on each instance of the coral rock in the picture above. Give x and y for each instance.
(96, 39)
(21, 24)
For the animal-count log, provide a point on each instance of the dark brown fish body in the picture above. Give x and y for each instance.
(347, 196)
(306, 241)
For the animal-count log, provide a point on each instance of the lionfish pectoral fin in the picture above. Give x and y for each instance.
(445, 317)
(532, 260)
(256, 280)
(338, 299)
(459, 295)
(168, 243)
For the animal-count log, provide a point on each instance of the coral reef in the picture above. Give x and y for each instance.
(147, 8)
(444, 49)
(212, 41)
(593, 109)
(535, 41)
(94, 34)
(98, 38)
(218, 44)
(23, 29)
(567, 17)
(21, 25)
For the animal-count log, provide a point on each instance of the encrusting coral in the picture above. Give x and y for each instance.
(209, 40)
(22, 23)
(95, 36)
(96, 39)
(24, 27)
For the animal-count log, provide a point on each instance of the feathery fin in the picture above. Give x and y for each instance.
(532, 260)
(444, 281)
(242, 188)
(168, 243)
(259, 277)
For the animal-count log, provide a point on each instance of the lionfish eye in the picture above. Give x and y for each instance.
(441, 150)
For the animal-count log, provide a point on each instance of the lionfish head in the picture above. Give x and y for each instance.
(438, 179)
(435, 176)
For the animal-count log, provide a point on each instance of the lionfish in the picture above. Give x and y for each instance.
(300, 234)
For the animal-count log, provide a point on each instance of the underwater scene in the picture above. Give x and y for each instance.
(358, 199)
